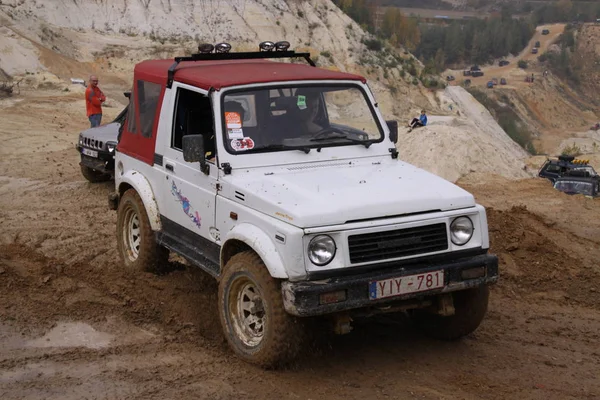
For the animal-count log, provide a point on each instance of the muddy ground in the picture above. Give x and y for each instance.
(73, 325)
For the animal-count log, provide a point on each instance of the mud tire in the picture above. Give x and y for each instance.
(470, 307)
(282, 333)
(94, 176)
(148, 255)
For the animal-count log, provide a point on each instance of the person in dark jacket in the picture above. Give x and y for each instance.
(417, 122)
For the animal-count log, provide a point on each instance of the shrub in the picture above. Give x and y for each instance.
(415, 81)
(300, 14)
(522, 64)
(373, 44)
(572, 150)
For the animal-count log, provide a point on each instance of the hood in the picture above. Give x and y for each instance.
(335, 193)
(104, 133)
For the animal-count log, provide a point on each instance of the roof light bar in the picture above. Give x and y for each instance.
(266, 46)
(205, 48)
(282, 46)
(222, 48)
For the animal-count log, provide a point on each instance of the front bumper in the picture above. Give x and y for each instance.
(105, 161)
(303, 298)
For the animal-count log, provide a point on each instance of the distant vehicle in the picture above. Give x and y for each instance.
(475, 74)
(502, 63)
(97, 148)
(502, 81)
(467, 72)
(475, 68)
(450, 78)
(554, 169)
(573, 184)
(545, 32)
(534, 50)
(467, 82)
(537, 44)
(490, 85)
(495, 81)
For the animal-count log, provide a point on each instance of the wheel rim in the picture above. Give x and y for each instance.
(247, 312)
(132, 235)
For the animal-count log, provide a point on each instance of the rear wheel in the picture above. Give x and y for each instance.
(135, 239)
(252, 315)
(470, 307)
(94, 176)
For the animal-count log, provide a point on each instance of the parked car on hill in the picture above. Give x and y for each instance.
(502, 81)
(555, 168)
(274, 178)
(476, 74)
(450, 78)
(467, 72)
(545, 32)
(502, 63)
(534, 50)
(537, 44)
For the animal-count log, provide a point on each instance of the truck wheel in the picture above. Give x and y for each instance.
(94, 176)
(252, 315)
(470, 307)
(135, 238)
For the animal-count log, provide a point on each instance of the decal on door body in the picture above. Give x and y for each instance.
(185, 204)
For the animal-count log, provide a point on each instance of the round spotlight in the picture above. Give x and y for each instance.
(205, 48)
(266, 46)
(282, 46)
(222, 48)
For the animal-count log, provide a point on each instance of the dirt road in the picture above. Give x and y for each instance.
(74, 326)
(514, 75)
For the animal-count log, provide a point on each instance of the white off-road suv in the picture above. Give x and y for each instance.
(282, 180)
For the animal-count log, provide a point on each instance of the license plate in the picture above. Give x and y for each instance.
(406, 284)
(91, 153)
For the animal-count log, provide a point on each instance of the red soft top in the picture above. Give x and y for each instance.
(223, 73)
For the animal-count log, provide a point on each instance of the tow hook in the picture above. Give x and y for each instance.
(446, 305)
(113, 201)
(342, 324)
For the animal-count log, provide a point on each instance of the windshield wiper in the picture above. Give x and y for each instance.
(304, 149)
(366, 143)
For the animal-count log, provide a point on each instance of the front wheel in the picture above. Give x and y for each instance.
(252, 315)
(470, 307)
(135, 239)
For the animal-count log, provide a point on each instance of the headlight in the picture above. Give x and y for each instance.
(461, 230)
(111, 147)
(321, 250)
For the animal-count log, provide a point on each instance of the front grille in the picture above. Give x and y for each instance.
(95, 144)
(397, 243)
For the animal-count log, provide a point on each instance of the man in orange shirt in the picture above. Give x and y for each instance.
(93, 102)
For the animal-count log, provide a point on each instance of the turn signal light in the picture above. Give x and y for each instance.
(332, 297)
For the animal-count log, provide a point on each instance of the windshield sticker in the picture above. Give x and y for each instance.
(242, 144)
(236, 133)
(301, 102)
(233, 120)
(185, 204)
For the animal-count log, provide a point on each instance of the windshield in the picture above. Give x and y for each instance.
(298, 118)
(575, 187)
(587, 169)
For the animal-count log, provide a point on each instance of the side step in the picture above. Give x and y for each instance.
(196, 255)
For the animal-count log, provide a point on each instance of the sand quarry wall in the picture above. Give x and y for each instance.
(468, 140)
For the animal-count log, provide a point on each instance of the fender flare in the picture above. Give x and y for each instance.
(141, 185)
(261, 243)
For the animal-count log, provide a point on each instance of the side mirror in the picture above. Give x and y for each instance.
(193, 151)
(393, 127)
(127, 94)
